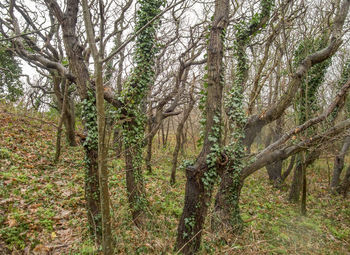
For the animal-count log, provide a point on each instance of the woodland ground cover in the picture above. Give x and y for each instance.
(42, 208)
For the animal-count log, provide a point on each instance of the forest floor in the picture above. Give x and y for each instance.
(42, 204)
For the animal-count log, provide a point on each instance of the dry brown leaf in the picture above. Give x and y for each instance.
(41, 249)
(67, 193)
(62, 215)
(11, 222)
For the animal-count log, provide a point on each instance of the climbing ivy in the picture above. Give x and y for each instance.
(234, 105)
(306, 103)
(244, 33)
(344, 78)
(89, 116)
(11, 87)
(210, 176)
(90, 144)
(345, 75)
(136, 89)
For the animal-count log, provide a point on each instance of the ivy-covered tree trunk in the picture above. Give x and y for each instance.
(68, 21)
(149, 140)
(306, 107)
(98, 54)
(134, 176)
(90, 144)
(202, 175)
(134, 106)
(226, 213)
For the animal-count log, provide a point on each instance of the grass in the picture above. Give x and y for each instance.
(42, 205)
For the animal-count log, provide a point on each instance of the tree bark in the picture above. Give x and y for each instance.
(343, 188)
(226, 214)
(134, 184)
(228, 217)
(339, 163)
(295, 188)
(258, 121)
(97, 54)
(178, 139)
(299, 178)
(289, 168)
(74, 50)
(149, 155)
(69, 115)
(166, 134)
(117, 142)
(304, 187)
(60, 123)
(274, 170)
(200, 176)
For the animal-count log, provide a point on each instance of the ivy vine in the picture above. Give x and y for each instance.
(136, 89)
(234, 105)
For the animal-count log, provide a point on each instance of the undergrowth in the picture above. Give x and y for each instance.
(42, 206)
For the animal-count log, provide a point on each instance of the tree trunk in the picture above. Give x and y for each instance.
(163, 134)
(294, 193)
(303, 197)
(274, 170)
(117, 142)
(92, 193)
(74, 51)
(193, 136)
(226, 215)
(60, 123)
(175, 155)
(299, 179)
(343, 188)
(339, 163)
(149, 140)
(149, 155)
(226, 211)
(135, 110)
(98, 54)
(289, 168)
(69, 115)
(134, 184)
(69, 122)
(179, 129)
(166, 134)
(195, 210)
(201, 176)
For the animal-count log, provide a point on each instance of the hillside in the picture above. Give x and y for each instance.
(42, 204)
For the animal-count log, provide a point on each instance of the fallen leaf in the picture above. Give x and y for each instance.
(41, 249)
(62, 215)
(12, 222)
(67, 193)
